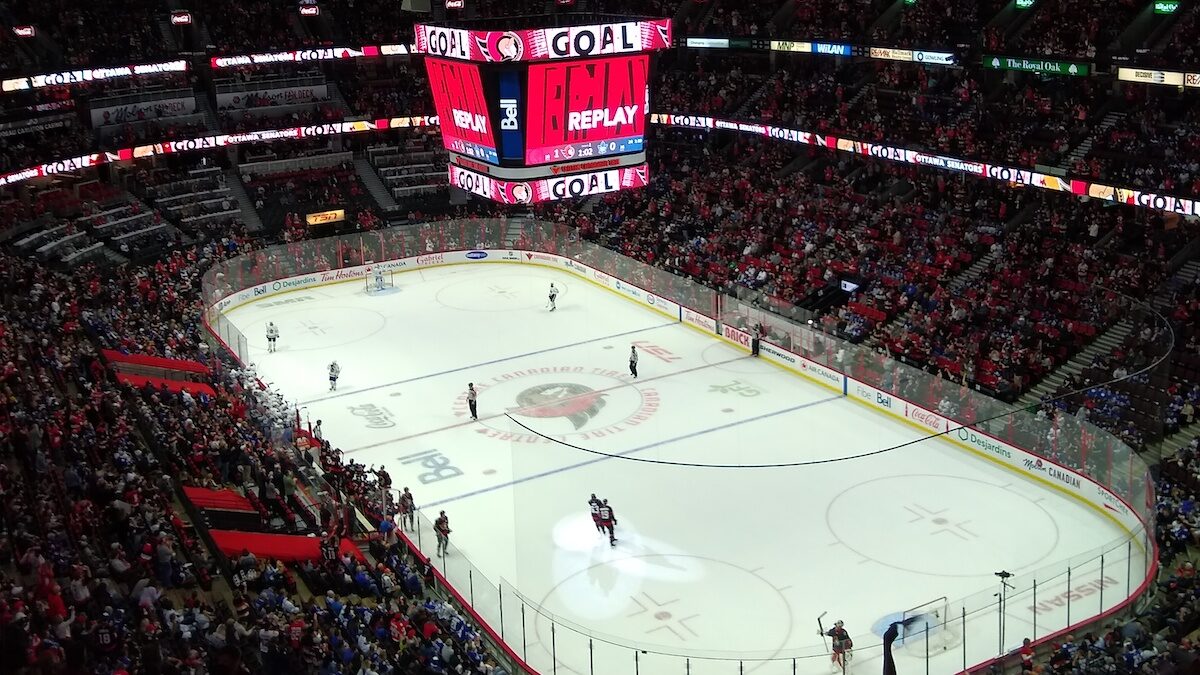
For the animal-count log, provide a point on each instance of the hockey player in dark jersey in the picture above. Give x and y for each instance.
(608, 518)
(594, 505)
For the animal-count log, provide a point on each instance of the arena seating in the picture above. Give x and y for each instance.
(982, 282)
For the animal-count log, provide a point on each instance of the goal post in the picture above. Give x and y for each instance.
(378, 281)
(928, 627)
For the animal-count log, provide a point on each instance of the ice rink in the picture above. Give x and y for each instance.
(708, 560)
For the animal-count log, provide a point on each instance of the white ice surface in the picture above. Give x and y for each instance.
(709, 559)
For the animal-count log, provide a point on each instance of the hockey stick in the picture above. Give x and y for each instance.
(822, 629)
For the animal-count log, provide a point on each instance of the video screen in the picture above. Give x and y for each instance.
(550, 189)
(586, 109)
(462, 108)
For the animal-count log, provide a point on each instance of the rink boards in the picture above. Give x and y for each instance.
(972, 440)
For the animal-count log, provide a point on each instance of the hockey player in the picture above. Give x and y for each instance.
(842, 644)
(272, 336)
(594, 505)
(473, 400)
(553, 296)
(407, 510)
(633, 358)
(607, 520)
(441, 527)
(335, 371)
(378, 279)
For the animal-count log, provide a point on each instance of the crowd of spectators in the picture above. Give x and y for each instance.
(391, 90)
(1073, 28)
(1155, 144)
(1180, 50)
(839, 20)
(702, 217)
(701, 88)
(249, 119)
(21, 151)
(738, 213)
(152, 131)
(85, 31)
(732, 19)
(943, 24)
(370, 23)
(253, 26)
(1014, 324)
(108, 575)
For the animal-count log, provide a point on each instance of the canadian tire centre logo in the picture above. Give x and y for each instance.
(567, 403)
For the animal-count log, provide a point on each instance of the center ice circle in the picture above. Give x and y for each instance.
(611, 598)
(499, 293)
(567, 403)
(938, 525)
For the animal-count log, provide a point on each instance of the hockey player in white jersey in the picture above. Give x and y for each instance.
(553, 296)
(378, 279)
(272, 336)
(335, 371)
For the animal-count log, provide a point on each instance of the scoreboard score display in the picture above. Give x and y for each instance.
(462, 108)
(588, 108)
(543, 114)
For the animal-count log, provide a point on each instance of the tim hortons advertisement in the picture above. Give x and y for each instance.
(698, 319)
(285, 96)
(143, 110)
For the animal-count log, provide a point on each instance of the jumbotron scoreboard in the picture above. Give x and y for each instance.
(540, 114)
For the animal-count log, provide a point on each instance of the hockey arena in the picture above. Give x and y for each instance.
(687, 456)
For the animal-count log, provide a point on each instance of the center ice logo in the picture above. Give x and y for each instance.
(576, 402)
(566, 403)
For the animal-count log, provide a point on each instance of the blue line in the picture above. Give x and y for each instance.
(486, 363)
(623, 453)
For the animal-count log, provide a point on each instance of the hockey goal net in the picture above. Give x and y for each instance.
(929, 626)
(377, 281)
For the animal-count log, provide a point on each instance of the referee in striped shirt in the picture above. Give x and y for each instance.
(633, 356)
(472, 395)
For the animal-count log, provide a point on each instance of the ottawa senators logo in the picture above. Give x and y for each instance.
(562, 402)
(576, 402)
(500, 47)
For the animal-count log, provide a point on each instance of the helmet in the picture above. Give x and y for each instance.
(838, 623)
